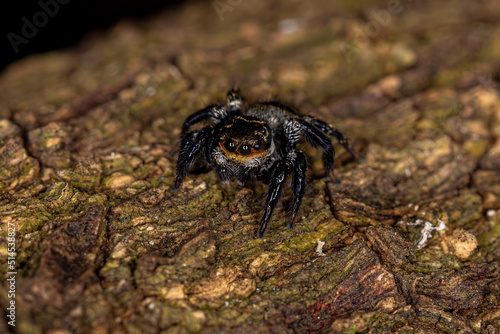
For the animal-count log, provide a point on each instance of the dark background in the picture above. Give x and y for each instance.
(72, 21)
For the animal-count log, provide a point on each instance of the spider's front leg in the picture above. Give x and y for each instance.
(193, 146)
(295, 162)
(298, 185)
(216, 113)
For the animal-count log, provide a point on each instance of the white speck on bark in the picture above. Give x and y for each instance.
(319, 248)
(426, 232)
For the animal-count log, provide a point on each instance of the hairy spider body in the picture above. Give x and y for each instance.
(260, 141)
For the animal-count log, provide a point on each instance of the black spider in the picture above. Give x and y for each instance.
(260, 141)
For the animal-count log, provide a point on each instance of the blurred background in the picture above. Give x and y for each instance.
(69, 23)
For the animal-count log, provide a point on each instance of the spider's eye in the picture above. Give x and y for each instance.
(229, 146)
(221, 138)
(256, 146)
(245, 150)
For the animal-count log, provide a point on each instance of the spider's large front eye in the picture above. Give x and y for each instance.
(245, 150)
(229, 146)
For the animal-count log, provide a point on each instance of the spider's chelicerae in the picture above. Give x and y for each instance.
(248, 144)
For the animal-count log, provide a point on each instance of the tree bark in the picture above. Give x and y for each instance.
(407, 240)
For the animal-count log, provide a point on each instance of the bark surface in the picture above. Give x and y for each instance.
(407, 241)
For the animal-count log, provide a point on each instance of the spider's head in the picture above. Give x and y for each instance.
(244, 138)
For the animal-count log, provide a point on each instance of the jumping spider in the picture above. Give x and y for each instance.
(254, 143)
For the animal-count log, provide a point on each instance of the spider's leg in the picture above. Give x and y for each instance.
(281, 170)
(318, 139)
(234, 102)
(337, 134)
(216, 113)
(298, 185)
(208, 152)
(193, 146)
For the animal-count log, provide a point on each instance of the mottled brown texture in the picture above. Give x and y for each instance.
(88, 145)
